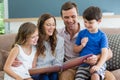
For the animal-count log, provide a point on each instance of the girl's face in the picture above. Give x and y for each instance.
(49, 26)
(32, 39)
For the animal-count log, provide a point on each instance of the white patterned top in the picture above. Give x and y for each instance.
(49, 59)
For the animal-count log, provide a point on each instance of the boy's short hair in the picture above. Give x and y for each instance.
(92, 12)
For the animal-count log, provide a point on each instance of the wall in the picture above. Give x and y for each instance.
(34, 8)
(18, 9)
(107, 22)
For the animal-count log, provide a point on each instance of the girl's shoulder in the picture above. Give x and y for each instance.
(15, 50)
(16, 47)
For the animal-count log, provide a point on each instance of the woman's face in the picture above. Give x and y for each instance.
(49, 26)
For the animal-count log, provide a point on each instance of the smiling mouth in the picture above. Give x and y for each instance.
(50, 31)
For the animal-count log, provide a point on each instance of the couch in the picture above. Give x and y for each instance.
(6, 41)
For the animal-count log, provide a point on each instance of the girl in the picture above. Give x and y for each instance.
(24, 50)
(50, 48)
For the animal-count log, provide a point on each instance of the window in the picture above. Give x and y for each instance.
(2, 28)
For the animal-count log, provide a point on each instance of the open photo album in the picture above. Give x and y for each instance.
(66, 65)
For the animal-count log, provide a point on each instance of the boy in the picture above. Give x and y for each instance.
(92, 40)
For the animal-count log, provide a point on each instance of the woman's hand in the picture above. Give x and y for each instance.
(16, 63)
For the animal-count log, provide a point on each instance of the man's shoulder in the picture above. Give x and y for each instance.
(60, 30)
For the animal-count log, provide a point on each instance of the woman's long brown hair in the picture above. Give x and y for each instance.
(52, 39)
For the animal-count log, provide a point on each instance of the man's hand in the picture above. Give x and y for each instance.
(16, 63)
(91, 60)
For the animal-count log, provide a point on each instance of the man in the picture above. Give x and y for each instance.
(69, 14)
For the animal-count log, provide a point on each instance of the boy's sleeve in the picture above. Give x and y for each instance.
(104, 41)
(78, 39)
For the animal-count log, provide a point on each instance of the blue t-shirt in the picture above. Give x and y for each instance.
(96, 41)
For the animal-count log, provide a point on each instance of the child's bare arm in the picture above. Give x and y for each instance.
(103, 57)
(35, 61)
(13, 54)
(101, 61)
(78, 48)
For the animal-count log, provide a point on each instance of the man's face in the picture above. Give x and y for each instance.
(70, 18)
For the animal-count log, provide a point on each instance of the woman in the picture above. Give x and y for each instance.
(50, 48)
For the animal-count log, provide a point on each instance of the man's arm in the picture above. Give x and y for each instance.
(109, 56)
(93, 59)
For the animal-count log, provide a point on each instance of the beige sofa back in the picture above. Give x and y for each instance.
(6, 42)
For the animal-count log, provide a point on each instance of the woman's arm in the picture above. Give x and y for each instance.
(35, 61)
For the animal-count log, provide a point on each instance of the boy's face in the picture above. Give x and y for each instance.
(91, 25)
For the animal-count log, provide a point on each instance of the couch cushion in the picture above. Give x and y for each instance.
(3, 57)
(114, 43)
(1, 75)
(116, 73)
(109, 75)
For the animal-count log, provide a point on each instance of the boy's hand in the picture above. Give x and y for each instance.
(94, 68)
(84, 41)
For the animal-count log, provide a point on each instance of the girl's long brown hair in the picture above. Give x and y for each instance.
(52, 39)
(25, 30)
